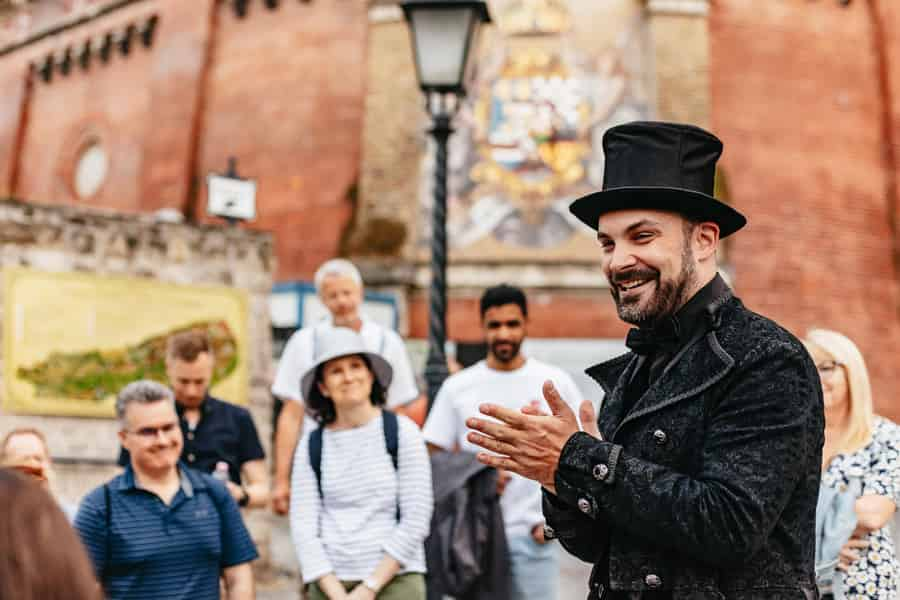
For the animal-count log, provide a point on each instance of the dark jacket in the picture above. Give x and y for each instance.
(707, 486)
(466, 552)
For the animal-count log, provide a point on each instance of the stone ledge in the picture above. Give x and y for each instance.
(697, 8)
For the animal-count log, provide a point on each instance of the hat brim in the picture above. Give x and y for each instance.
(690, 203)
(381, 368)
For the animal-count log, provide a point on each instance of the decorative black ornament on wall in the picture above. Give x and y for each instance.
(123, 39)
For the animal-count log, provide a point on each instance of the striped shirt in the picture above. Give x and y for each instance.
(152, 550)
(354, 524)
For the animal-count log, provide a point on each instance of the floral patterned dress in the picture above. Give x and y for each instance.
(877, 465)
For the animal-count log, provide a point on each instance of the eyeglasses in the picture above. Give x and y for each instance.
(828, 368)
(149, 433)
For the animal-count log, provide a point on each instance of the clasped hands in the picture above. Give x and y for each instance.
(529, 442)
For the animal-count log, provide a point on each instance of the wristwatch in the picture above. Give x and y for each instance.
(372, 584)
(245, 497)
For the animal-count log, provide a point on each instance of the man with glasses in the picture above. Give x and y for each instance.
(161, 530)
(218, 436)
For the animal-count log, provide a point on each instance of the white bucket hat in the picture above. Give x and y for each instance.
(342, 341)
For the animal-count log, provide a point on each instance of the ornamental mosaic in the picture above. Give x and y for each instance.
(551, 77)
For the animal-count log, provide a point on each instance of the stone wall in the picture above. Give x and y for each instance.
(65, 239)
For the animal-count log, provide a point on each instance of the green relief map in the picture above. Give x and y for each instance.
(95, 374)
(71, 341)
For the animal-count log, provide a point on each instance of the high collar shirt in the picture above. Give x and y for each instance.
(674, 333)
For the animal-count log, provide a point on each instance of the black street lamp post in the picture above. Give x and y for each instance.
(443, 33)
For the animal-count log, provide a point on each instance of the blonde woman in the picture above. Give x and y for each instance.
(864, 446)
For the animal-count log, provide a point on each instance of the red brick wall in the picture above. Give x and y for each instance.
(110, 102)
(281, 90)
(285, 97)
(796, 100)
(13, 84)
(575, 314)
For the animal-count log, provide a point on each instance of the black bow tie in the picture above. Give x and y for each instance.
(652, 341)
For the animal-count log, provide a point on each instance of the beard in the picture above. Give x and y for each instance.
(670, 295)
(505, 352)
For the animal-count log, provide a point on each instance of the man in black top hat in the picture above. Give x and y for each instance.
(699, 479)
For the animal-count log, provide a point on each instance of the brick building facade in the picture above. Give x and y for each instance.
(806, 96)
(317, 101)
(167, 90)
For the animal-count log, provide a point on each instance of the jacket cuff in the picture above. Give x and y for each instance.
(563, 521)
(584, 463)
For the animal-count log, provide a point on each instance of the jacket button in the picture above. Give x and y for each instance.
(652, 581)
(191, 457)
(584, 506)
(660, 436)
(600, 472)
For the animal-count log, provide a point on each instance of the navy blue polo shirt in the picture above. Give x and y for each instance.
(225, 432)
(143, 549)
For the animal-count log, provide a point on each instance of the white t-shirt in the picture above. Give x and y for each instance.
(299, 354)
(458, 400)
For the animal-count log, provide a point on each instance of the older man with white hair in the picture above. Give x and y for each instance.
(340, 288)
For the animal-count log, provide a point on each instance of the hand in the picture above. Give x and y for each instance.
(503, 478)
(361, 592)
(281, 497)
(849, 553)
(585, 414)
(527, 444)
(537, 534)
(236, 491)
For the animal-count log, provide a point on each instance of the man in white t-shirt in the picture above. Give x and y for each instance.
(508, 378)
(340, 289)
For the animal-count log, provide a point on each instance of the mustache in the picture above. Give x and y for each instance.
(630, 274)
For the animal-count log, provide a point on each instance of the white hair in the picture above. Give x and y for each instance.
(336, 267)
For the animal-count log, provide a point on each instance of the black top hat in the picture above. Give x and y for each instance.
(661, 166)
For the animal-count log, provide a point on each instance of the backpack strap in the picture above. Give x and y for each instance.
(315, 455)
(391, 440)
(391, 434)
(108, 503)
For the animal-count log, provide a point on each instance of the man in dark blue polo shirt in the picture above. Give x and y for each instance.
(160, 530)
(215, 432)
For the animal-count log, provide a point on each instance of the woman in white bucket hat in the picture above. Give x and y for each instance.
(361, 496)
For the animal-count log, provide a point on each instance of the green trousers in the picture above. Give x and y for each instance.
(410, 586)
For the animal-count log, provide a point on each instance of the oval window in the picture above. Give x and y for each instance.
(91, 169)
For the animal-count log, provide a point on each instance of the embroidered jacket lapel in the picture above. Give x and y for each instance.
(694, 369)
(613, 375)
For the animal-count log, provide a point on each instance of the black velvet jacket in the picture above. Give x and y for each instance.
(706, 488)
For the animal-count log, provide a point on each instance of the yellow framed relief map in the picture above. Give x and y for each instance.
(72, 340)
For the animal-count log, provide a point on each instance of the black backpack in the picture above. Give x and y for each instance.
(391, 440)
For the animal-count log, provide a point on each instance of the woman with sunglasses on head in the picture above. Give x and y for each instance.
(860, 453)
(361, 496)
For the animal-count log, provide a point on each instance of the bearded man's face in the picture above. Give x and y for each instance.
(649, 262)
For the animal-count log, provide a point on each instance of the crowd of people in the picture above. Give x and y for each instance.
(728, 459)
